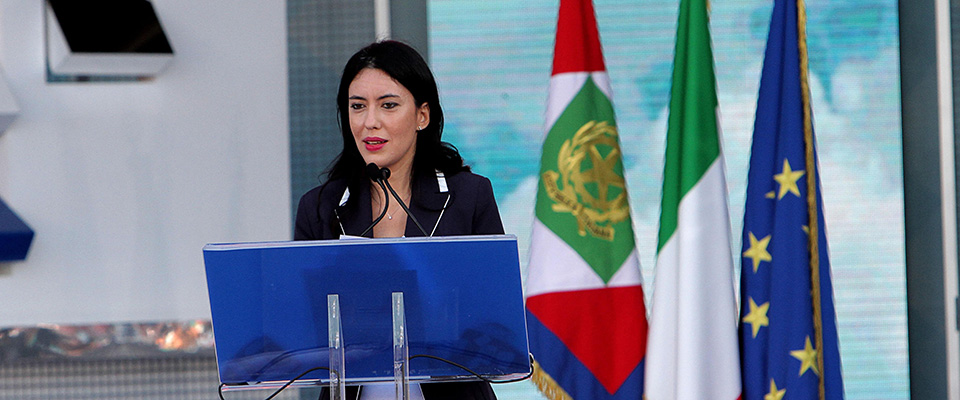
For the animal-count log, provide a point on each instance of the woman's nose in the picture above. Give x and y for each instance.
(371, 120)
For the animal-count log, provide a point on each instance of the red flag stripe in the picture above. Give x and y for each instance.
(578, 43)
(606, 329)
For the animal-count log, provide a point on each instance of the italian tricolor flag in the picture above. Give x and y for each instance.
(692, 351)
(586, 318)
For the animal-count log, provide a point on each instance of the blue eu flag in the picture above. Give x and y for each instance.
(788, 332)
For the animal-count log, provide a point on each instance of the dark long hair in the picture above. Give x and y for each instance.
(402, 63)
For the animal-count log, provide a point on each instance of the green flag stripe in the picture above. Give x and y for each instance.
(582, 195)
(693, 142)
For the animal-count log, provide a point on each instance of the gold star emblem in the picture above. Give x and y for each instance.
(774, 393)
(757, 316)
(788, 180)
(807, 357)
(758, 251)
(603, 174)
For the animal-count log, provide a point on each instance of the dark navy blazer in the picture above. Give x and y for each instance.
(470, 210)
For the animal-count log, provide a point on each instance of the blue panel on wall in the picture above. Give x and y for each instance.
(15, 235)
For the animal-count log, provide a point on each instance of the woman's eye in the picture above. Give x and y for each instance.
(356, 106)
(390, 105)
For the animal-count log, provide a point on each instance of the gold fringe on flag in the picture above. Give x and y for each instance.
(812, 178)
(547, 385)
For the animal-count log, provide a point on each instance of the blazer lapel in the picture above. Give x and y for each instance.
(357, 214)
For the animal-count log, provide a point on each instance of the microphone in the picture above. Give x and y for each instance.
(385, 172)
(374, 172)
(376, 175)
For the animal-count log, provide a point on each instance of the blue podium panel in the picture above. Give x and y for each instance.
(463, 299)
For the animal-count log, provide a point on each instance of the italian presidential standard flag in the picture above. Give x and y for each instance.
(585, 312)
(692, 351)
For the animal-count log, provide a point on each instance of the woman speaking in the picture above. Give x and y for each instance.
(390, 116)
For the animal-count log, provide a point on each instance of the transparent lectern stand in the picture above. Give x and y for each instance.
(363, 307)
(401, 354)
(335, 342)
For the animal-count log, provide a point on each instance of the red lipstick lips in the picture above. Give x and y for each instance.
(374, 143)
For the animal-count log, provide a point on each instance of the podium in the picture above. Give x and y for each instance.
(283, 308)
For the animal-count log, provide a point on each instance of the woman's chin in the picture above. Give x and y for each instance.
(386, 161)
(379, 161)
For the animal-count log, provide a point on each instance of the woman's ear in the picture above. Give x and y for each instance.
(423, 116)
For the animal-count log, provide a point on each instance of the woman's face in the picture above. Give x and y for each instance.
(384, 119)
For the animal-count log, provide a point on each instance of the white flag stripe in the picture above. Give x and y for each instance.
(629, 272)
(692, 346)
(555, 266)
(603, 83)
(563, 87)
(548, 251)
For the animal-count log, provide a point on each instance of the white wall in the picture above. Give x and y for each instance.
(125, 182)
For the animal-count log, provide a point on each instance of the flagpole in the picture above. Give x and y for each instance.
(812, 178)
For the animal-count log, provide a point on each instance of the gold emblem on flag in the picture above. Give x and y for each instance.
(596, 195)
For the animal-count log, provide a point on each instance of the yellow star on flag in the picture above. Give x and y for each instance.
(788, 180)
(807, 357)
(774, 393)
(757, 316)
(758, 251)
(603, 173)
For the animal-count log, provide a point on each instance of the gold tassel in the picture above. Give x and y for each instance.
(547, 385)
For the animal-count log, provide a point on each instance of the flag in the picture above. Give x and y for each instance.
(692, 349)
(788, 332)
(586, 319)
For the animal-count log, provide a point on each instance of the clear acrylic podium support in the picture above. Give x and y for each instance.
(335, 342)
(401, 354)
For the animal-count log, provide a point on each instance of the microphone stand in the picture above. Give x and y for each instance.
(377, 176)
(386, 174)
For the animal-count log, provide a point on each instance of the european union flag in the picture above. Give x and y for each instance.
(788, 332)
